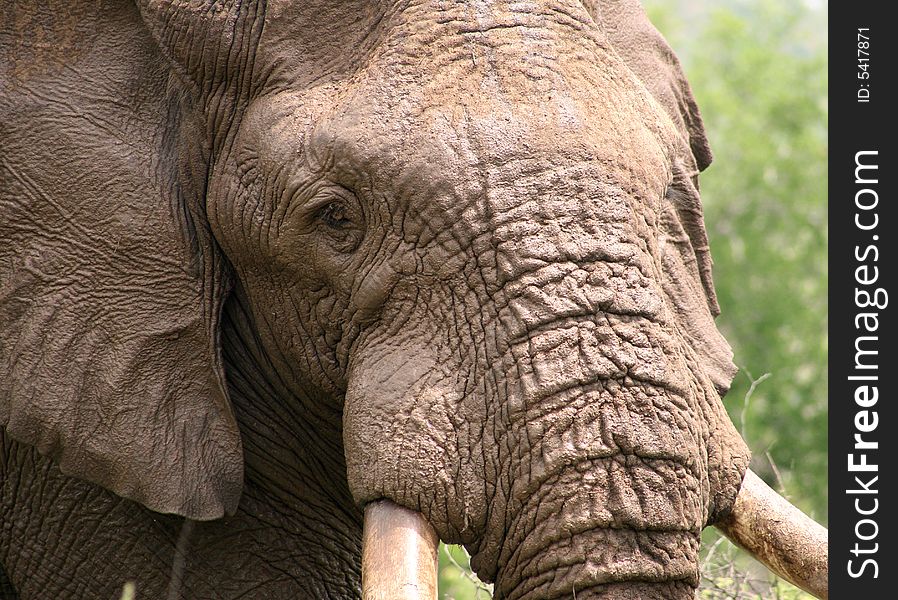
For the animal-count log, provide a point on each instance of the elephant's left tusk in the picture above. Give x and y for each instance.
(399, 554)
(782, 537)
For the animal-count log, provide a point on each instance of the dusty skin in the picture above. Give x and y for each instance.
(266, 264)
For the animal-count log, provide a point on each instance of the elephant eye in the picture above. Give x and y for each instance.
(335, 215)
(342, 223)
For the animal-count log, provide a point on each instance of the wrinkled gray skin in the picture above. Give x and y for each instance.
(265, 262)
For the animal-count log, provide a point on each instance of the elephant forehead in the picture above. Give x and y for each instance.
(510, 83)
(465, 85)
(318, 40)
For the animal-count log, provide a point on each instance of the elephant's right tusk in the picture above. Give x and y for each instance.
(399, 554)
(786, 540)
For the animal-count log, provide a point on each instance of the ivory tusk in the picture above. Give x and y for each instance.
(399, 554)
(786, 540)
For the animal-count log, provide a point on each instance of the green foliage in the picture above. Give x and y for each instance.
(457, 581)
(759, 72)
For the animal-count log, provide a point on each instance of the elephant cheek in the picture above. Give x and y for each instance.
(406, 440)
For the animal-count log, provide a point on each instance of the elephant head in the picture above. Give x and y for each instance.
(463, 239)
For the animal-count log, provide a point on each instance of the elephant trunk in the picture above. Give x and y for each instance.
(611, 471)
(587, 534)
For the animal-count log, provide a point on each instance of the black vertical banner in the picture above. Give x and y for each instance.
(863, 374)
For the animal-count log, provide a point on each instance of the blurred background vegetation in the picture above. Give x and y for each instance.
(759, 71)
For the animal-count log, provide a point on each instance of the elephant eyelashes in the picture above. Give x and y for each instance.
(342, 223)
(334, 215)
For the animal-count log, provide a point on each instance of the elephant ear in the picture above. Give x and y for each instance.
(686, 267)
(111, 285)
(686, 256)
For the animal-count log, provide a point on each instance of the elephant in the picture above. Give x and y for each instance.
(270, 266)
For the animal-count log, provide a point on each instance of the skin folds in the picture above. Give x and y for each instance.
(265, 263)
